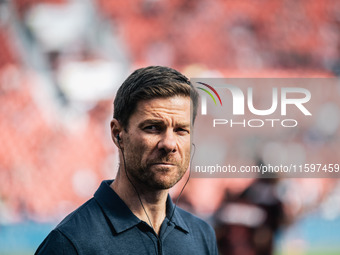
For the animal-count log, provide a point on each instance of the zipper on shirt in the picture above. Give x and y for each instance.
(159, 246)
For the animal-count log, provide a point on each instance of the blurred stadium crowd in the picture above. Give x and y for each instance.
(62, 60)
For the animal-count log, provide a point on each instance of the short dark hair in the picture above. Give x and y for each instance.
(150, 83)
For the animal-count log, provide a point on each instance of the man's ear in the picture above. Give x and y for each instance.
(116, 130)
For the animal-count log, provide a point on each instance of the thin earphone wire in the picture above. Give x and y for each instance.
(185, 184)
(139, 198)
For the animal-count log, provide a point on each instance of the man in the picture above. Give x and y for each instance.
(134, 214)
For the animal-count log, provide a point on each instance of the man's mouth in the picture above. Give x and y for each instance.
(163, 163)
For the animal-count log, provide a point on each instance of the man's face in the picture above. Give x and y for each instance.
(157, 142)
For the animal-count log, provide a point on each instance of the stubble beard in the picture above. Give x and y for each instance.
(145, 174)
(160, 179)
(154, 180)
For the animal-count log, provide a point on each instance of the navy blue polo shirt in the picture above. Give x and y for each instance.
(105, 225)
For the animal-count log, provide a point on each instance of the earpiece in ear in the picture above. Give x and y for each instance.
(118, 141)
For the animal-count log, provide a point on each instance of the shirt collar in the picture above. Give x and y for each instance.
(121, 216)
(114, 208)
(176, 217)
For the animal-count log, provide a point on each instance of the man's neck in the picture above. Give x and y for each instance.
(154, 202)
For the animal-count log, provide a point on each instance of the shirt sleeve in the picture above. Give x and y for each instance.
(56, 244)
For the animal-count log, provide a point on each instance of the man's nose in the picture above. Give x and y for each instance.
(168, 142)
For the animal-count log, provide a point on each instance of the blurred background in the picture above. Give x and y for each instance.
(61, 62)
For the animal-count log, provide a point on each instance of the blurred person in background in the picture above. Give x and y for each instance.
(246, 224)
(134, 213)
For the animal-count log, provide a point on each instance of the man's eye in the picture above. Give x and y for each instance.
(152, 128)
(182, 131)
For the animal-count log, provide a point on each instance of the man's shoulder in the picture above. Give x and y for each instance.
(72, 230)
(203, 235)
(73, 224)
(195, 223)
